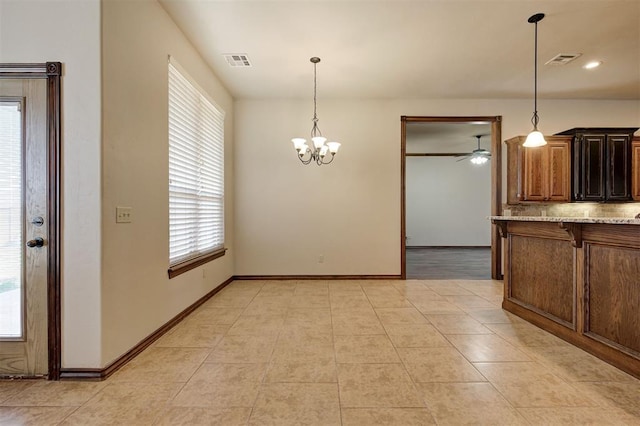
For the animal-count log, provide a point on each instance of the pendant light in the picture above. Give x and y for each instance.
(535, 138)
(320, 152)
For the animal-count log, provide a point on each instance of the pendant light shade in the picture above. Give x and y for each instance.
(535, 138)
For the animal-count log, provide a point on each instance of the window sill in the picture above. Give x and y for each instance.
(187, 265)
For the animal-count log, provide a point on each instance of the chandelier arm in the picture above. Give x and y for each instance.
(305, 162)
(330, 160)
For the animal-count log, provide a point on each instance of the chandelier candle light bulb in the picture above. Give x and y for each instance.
(321, 147)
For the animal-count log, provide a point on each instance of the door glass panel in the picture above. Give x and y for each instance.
(11, 224)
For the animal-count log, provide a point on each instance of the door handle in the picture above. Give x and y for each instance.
(36, 242)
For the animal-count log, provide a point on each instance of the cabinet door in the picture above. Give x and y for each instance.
(618, 165)
(635, 170)
(515, 170)
(592, 176)
(559, 164)
(535, 178)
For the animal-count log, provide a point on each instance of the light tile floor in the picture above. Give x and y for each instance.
(344, 353)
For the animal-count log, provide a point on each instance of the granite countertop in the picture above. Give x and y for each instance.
(609, 220)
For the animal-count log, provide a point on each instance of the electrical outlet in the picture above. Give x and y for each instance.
(124, 214)
(321, 258)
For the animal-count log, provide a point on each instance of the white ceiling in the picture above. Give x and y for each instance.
(417, 49)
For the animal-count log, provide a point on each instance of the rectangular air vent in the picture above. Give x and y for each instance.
(563, 58)
(237, 59)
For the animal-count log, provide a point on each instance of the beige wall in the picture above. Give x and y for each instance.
(137, 296)
(69, 32)
(287, 214)
(115, 287)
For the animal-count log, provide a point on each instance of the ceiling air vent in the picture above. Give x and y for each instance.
(563, 58)
(237, 59)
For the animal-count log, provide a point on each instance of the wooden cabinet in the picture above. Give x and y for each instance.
(601, 163)
(635, 169)
(539, 174)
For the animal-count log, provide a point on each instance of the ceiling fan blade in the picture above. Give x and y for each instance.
(464, 158)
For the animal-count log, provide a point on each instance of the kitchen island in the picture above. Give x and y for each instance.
(578, 278)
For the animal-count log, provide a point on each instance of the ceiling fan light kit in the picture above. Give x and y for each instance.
(479, 155)
(479, 159)
(320, 149)
(535, 138)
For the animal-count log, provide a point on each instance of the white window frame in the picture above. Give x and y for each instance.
(196, 174)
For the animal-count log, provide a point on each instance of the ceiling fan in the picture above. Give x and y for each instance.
(479, 155)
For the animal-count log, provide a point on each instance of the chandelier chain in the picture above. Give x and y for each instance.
(315, 130)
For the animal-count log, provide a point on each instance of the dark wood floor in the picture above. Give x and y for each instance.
(438, 263)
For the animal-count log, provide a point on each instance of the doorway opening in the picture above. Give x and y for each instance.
(446, 198)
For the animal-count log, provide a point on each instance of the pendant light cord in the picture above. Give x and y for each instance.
(535, 119)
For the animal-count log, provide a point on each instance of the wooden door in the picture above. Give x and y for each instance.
(635, 170)
(559, 163)
(23, 228)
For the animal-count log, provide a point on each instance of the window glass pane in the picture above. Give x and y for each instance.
(11, 282)
(196, 170)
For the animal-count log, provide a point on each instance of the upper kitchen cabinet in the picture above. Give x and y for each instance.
(601, 163)
(539, 174)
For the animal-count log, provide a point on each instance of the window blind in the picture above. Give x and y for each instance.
(196, 171)
(11, 213)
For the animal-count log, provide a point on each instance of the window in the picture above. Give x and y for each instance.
(196, 175)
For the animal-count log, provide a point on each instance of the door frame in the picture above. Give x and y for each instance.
(496, 184)
(52, 72)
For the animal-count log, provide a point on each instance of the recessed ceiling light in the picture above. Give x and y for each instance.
(591, 65)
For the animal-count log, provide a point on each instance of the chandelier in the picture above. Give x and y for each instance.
(318, 152)
(535, 138)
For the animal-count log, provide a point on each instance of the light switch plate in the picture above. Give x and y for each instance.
(123, 215)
